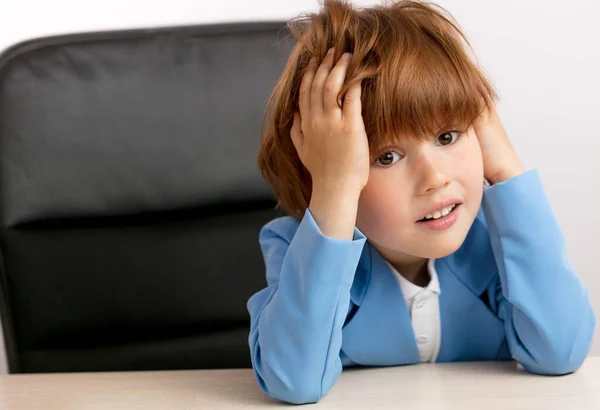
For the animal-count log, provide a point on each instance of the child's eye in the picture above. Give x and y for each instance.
(388, 158)
(447, 138)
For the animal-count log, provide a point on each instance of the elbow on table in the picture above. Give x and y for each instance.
(291, 378)
(567, 351)
(296, 383)
(294, 390)
(553, 367)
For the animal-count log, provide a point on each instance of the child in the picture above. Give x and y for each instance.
(394, 252)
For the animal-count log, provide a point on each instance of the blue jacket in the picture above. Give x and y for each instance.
(509, 292)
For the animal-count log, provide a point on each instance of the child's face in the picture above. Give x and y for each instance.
(423, 175)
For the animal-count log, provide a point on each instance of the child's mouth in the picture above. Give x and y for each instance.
(440, 215)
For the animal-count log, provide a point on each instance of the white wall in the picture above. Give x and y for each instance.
(542, 56)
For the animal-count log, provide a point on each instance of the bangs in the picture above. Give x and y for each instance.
(425, 84)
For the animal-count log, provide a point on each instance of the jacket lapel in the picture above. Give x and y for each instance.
(470, 329)
(380, 333)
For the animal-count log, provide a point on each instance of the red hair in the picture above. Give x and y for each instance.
(417, 78)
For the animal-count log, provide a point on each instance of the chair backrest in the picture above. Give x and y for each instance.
(130, 199)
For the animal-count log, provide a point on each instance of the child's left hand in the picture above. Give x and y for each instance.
(500, 160)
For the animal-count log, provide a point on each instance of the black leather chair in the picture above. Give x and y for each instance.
(130, 199)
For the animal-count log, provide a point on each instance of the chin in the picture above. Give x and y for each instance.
(438, 252)
(440, 247)
(426, 248)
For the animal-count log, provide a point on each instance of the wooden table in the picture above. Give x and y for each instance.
(481, 386)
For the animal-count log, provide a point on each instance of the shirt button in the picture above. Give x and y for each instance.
(422, 339)
(421, 303)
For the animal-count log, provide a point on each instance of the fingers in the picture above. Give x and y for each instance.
(316, 93)
(296, 132)
(352, 109)
(321, 85)
(334, 84)
(305, 88)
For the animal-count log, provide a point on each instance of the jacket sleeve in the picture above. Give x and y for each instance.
(296, 321)
(548, 318)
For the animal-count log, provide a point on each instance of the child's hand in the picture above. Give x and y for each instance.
(331, 141)
(500, 160)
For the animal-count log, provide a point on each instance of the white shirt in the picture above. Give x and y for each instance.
(424, 309)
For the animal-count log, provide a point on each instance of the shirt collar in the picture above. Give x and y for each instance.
(410, 290)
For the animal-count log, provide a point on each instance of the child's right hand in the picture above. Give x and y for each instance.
(332, 144)
(331, 141)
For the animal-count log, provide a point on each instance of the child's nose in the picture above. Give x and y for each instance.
(430, 174)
